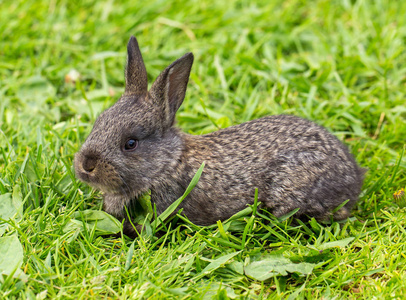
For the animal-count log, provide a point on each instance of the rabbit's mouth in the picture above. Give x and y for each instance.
(107, 185)
(98, 174)
(112, 187)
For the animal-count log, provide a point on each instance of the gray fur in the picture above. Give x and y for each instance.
(293, 162)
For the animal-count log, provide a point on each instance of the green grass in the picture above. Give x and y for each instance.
(339, 63)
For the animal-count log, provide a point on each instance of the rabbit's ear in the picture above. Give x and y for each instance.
(136, 81)
(169, 89)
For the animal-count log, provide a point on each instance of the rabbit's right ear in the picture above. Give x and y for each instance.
(168, 90)
(136, 81)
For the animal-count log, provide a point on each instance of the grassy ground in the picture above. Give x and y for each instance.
(339, 63)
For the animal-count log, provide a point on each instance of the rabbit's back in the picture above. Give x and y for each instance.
(293, 162)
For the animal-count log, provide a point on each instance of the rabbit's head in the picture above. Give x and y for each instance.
(132, 141)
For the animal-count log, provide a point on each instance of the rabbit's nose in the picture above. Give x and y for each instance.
(89, 164)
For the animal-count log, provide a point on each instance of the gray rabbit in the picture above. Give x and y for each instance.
(134, 147)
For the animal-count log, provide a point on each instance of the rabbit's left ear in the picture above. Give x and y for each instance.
(136, 81)
(168, 90)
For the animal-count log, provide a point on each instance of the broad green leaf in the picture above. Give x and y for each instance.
(328, 245)
(215, 264)
(36, 172)
(18, 201)
(10, 206)
(141, 209)
(11, 256)
(236, 266)
(105, 223)
(275, 264)
(7, 210)
(145, 201)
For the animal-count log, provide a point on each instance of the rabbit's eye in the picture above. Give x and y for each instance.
(130, 145)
